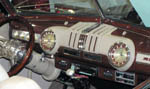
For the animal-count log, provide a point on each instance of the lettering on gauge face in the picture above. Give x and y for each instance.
(143, 58)
(146, 59)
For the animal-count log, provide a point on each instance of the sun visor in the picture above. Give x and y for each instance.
(143, 9)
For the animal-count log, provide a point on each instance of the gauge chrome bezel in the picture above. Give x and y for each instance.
(47, 49)
(112, 50)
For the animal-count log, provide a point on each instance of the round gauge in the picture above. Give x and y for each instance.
(48, 41)
(119, 54)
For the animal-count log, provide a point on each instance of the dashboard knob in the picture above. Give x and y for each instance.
(71, 71)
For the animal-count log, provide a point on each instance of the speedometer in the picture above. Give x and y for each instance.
(48, 40)
(119, 54)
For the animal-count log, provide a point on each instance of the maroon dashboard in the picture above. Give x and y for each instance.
(92, 46)
(95, 52)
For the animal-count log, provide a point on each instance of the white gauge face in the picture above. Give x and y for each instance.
(119, 54)
(48, 41)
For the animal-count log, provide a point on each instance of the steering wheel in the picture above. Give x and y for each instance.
(18, 67)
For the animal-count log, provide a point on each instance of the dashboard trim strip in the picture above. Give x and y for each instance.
(74, 40)
(90, 43)
(70, 38)
(95, 44)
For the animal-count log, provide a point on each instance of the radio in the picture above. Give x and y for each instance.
(82, 69)
(124, 77)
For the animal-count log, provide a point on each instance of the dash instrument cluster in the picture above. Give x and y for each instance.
(24, 35)
(93, 49)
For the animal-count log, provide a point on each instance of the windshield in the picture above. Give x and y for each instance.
(66, 7)
(2, 9)
(121, 10)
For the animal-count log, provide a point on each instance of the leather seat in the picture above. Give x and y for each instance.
(16, 82)
(3, 74)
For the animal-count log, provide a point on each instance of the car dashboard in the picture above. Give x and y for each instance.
(93, 49)
(74, 42)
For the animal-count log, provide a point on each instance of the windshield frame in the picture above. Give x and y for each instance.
(8, 7)
(49, 14)
(105, 17)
